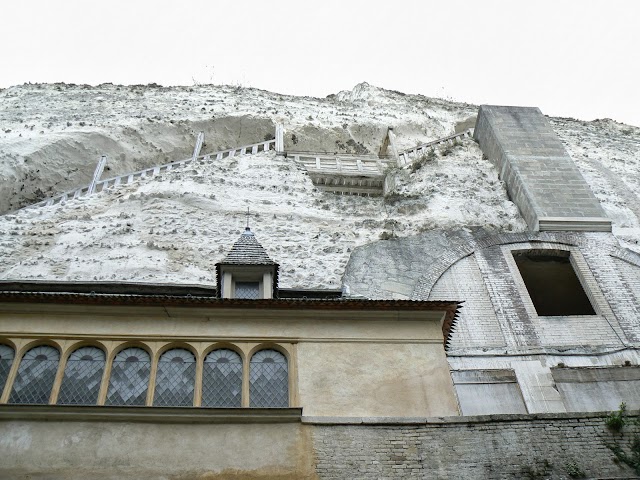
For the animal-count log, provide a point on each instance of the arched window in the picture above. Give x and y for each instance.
(269, 380)
(222, 379)
(175, 379)
(36, 375)
(129, 377)
(82, 377)
(6, 359)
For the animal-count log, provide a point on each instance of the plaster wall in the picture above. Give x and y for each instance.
(387, 379)
(74, 450)
(161, 322)
(383, 363)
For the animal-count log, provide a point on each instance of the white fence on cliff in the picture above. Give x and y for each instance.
(101, 185)
(406, 157)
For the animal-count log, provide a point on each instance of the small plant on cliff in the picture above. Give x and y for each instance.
(420, 162)
(574, 470)
(447, 151)
(616, 420)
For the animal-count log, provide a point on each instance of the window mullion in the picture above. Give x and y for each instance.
(245, 383)
(106, 375)
(197, 388)
(57, 382)
(152, 378)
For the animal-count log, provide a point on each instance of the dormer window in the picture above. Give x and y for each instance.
(247, 272)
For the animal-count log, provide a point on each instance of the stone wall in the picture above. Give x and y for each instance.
(488, 447)
(74, 444)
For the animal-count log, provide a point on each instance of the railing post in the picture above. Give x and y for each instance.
(279, 139)
(97, 174)
(390, 142)
(198, 147)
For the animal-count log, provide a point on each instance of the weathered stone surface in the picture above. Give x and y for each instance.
(487, 447)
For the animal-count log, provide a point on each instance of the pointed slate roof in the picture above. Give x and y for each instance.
(247, 251)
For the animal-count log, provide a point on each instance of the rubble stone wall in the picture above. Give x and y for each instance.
(487, 447)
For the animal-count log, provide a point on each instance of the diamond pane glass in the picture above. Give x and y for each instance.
(6, 359)
(35, 376)
(175, 379)
(269, 380)
(129, 377)
(82, 377)
(248, 290)
(222, 379)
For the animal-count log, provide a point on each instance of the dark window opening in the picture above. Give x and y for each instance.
(552, 284)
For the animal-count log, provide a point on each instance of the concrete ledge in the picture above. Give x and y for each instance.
(540, 176)
(458, 420)
(576, 224)
(149, 414)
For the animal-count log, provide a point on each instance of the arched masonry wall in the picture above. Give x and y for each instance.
(503, 356)
(410, 267)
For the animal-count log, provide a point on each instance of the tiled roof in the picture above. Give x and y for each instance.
(247, 251)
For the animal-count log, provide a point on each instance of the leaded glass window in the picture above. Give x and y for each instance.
(6, 359)
(129, 377)
(36, 375)
(222, 379)
(175, 380)
(82, 377)
(248, 290)
(269, 379)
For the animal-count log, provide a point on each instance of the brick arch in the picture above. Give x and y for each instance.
(463, 249)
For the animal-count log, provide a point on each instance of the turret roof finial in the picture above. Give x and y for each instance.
(247, 230)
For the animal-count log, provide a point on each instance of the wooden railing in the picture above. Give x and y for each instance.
(407, 156)
(128, 178)
(342, 164)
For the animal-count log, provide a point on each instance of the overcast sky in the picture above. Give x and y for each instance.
(578, 58)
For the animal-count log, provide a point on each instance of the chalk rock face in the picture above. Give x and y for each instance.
(362, 91)
(175, 226)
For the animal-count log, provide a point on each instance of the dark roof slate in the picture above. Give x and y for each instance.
(247, 251)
